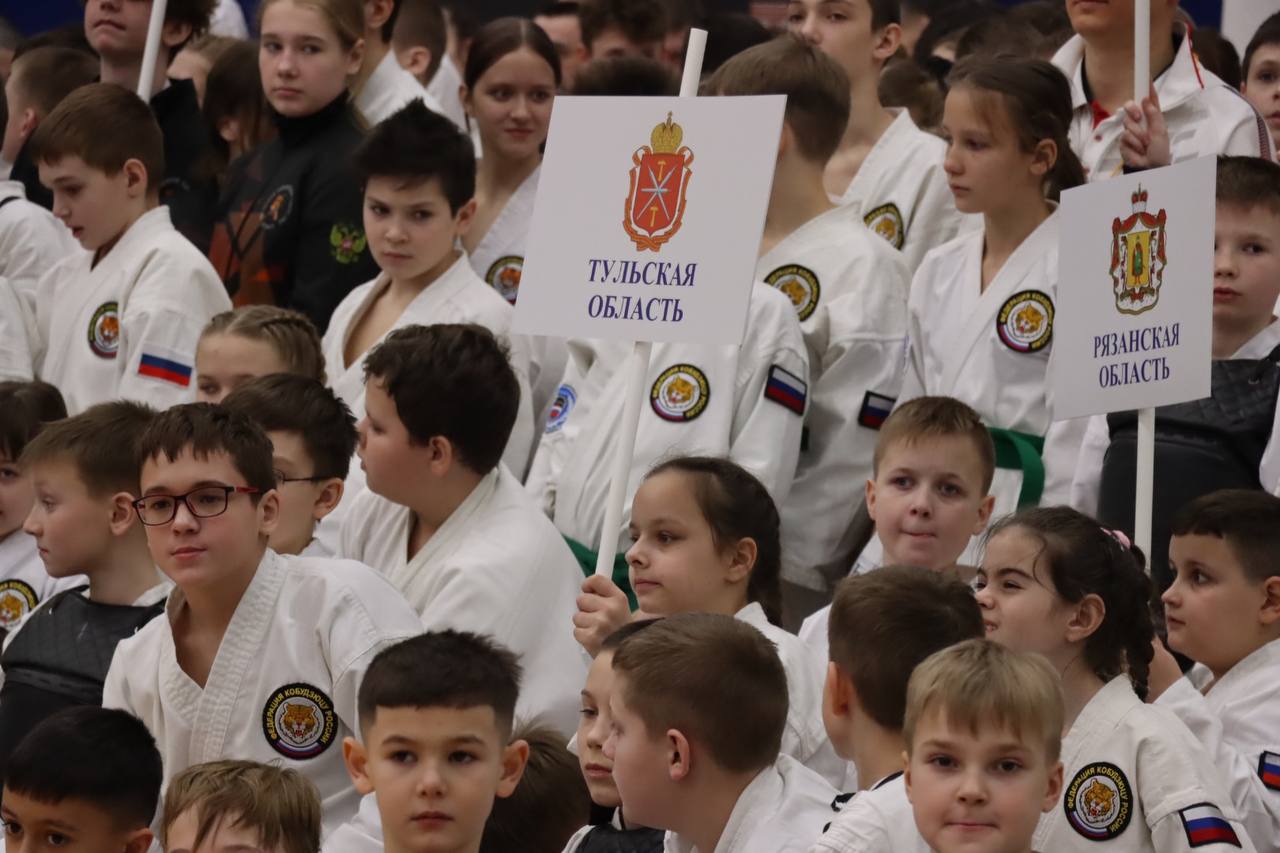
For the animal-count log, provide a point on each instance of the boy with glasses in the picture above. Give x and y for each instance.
(259, 656)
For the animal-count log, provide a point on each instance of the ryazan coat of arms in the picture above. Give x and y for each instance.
(1138, 257)
(659, 179)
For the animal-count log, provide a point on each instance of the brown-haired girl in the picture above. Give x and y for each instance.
(257, 340)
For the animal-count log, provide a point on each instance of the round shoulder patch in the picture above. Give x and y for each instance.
(104, 330)
(17, 599)
(561, 406)
(278, 207)
(680, 394)
(800, 285)
(298, 721)
(886, 220)
(1025, 321)
(504, 276)
(1099, 801)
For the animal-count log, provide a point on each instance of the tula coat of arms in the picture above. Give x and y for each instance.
(659, 179)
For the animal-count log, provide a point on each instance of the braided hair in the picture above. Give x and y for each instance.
(292, 335)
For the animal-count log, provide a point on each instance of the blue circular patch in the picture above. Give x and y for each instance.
(563, 404)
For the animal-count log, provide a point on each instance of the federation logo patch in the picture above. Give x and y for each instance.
(347, 242)
(1138, 257)
(504, 276)
(1099, 802)
(800, 285)
(1206, 824)
(104, 330)
(786, 389)
(17, 599)
(660, 176)
(165, 365)
(1025, 321)
(1269, 770)
(680, 394)
(886, 220)
(278, 207)
(875, 410)
(298, 721)
(561, 406)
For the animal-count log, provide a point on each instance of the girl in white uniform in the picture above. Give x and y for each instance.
(1136, 779)
(253, 341)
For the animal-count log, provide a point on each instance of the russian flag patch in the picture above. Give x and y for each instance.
(1269, 770)
(1205, 824)
(165, 365)
(875, 410)
(786, 389)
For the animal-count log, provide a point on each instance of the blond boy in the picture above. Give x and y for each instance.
(241, 806)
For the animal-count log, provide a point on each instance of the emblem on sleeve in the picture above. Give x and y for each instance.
(1138, 257)
(561, 406)
(298, 721)
(659, 180)
(278, 207)
(1269, 770)
(504, 276)
(104, 330)
(680, 394)
(886, 220)
(875, 410)
(800, 285)
(1206, 824)
(347, 242)
(1099, 802)
(17, 599)
(1025, 321)
(786, 389)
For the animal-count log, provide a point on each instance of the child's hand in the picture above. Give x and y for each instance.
(1164, 671)
(1145, 142)
(602, 609)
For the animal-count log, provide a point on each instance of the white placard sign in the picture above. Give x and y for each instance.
(1134, 321)
(648, 218)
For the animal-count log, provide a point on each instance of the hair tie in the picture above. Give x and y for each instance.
(1119, 536)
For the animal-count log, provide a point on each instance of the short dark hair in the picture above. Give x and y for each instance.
(817, 90)
(1248, 521)
(415, 145)
(450, 380)
(46, 75)
(421, 23)
(632, 76)
(1249, 182)
(195, 13)
(884, 13)
(288, 402)
(559, 8)
(1268, 32)
(885, 623)
(103, 443)
(728, 34)
(442, 669)
(1218, 55)
(389, 27)
(105, 125)
(25, 409)
(697, 672)
(506, 35)
(620, 636)
(548, 806)
(207, 428)
(103, 756)
(641, 21)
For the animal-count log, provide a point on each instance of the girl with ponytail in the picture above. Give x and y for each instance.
(1055, 583)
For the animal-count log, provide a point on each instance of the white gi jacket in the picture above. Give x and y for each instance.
(17, 334)
(497, 566)
(128, 327)
(741, 402)
(782, 811)
(444, 88)
(32, 241)
(1204, 115)
(389, 88)
(284, 683)
(850, 294)
(1137, 780)
(24, 583)
(901, 191)
(1238, 721)
(878, 820)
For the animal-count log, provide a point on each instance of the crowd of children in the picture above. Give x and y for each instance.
(298, 537)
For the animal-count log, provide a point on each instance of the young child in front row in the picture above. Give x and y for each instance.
(1052, 581)
(313, 437)
(883, 625)
(122, 319)
(257, 656)
(983, 733)
(252, 341)
(1223, 612)
(84, 779)
(705, 540)
(242, 806)
(699, 705)
(435, 746)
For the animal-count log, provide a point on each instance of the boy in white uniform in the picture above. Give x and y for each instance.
(257, 656)
(382, 87)
(448, 524)
(687, 759)
(17, 330)
(850, 294)
(121, 320)
(1204, 115)
(1223, 611)
(886, 167)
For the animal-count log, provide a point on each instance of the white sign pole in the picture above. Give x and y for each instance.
(152, 51)
(1145, 482)
(637, 367)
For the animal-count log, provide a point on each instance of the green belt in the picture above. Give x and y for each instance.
(621, 571)
(1020, 451)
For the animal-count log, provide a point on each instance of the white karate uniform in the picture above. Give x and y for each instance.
(782, 811)
(128, 327)
(850, 293)
(1087, 483)
(284, 683)
(902, 194)
(444, 88)
(1238, 721)
(32, 241)
(24, 583)
(1134, 779)
(878, 820)
(389, 88)
(228, 20)
(497, 566)
(702, 399)
(1204, 115)
(17, 331)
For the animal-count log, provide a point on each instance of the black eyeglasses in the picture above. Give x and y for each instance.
(281, 479)
(204, 502)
